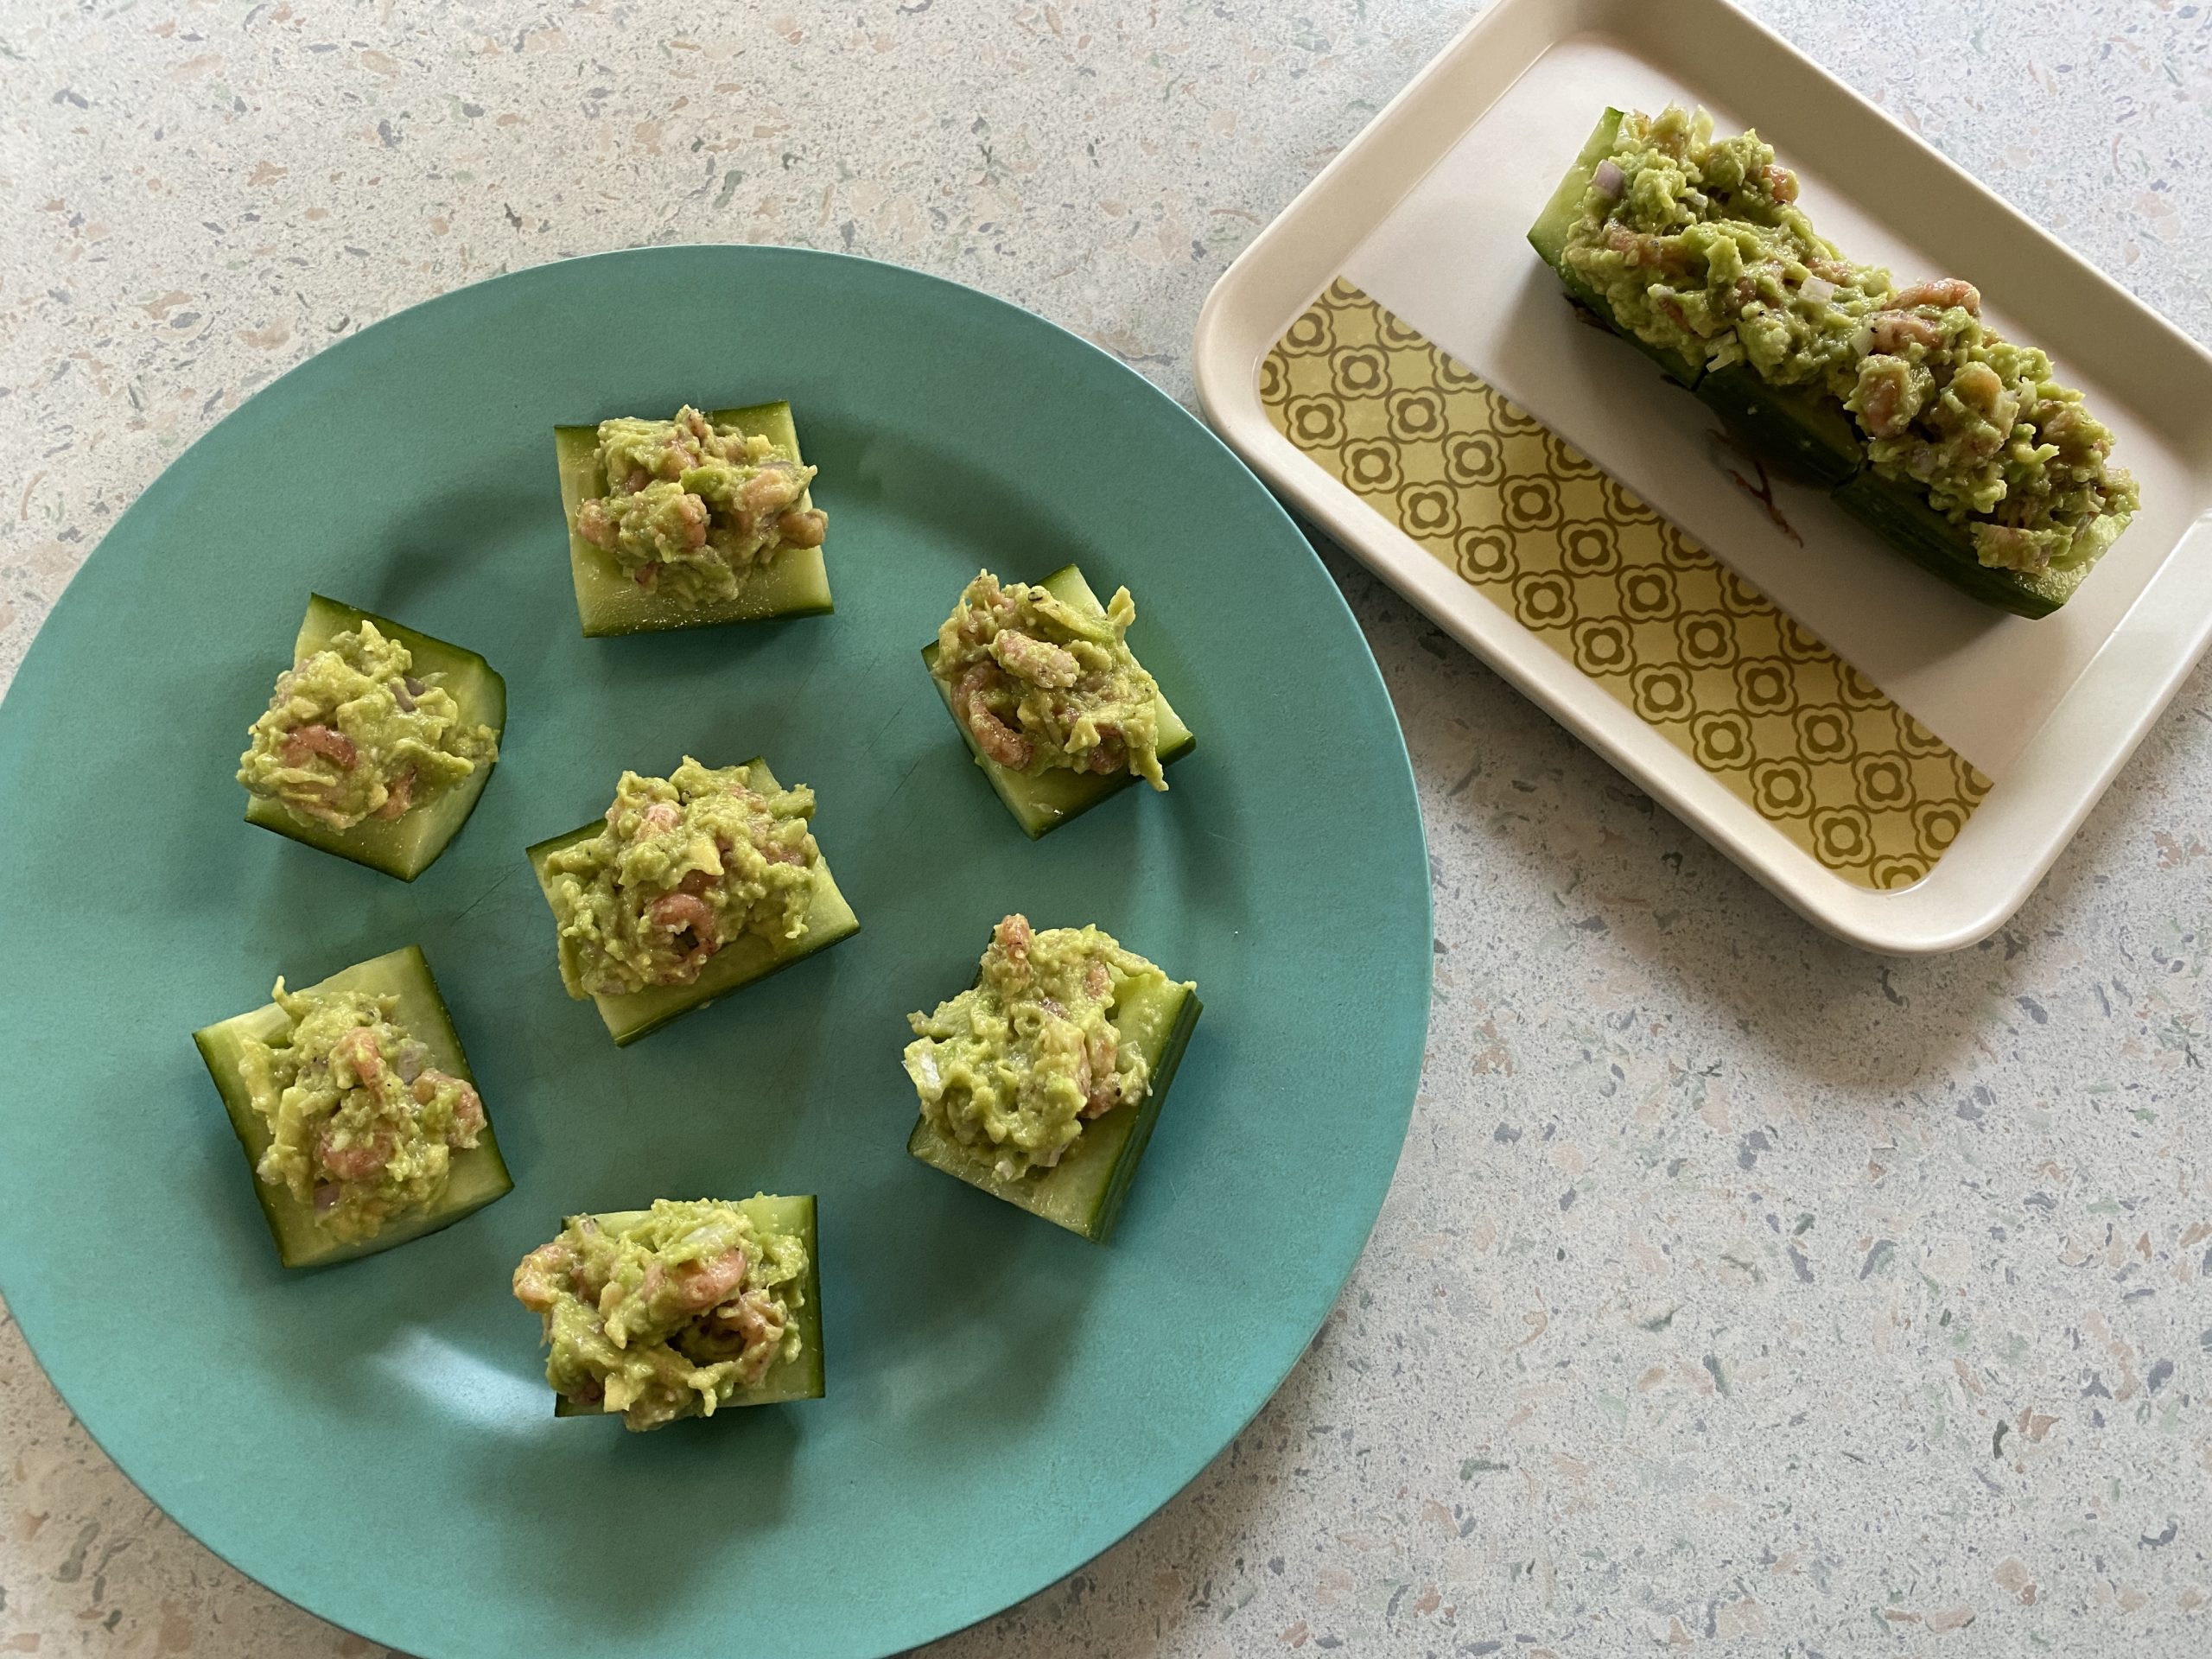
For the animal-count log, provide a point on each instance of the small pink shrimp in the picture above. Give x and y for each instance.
(703, 1285)
(399, 799)
(1103, 1089)
(1003, 743)
(1941, 293)
(596, 525)
(678, 913)
(802, 527)
(1894, 328)
(1038, 661)
(467, 1107)
(1781, 182)
(358, 1049)
(1012, 938)
(318, 739)
(755, 1317)
(358, 1161)
(535, 1282)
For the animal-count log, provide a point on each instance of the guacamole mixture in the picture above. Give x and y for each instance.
(667, 1315)
(352, 733)
(1019, 1061)
(1038, 684)
(1697, 244)
(686, 864)
(361, 1126)
(692, 509)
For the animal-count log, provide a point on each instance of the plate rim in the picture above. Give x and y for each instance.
(2027, 821)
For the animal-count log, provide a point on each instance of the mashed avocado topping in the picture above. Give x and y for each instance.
(686, 864)
(361, 1126)
(693, 508)
(1038, 684)
(664, 1313)
(1697, 244)
(1017, 1064)
(351, 733)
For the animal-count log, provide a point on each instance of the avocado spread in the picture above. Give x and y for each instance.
(1697, 244)
(686, 864)
(1017, 1063)
(1038, 684)
(360, 1125)
(682, 1307)
(692, 509)
(351, 733)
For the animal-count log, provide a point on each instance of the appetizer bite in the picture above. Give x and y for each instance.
(376, 741)
(1057, 710)
(689, 523)
(357, 1111)
(690, 887)
(1959, 448)
(1041, 1083)
(679, 1311)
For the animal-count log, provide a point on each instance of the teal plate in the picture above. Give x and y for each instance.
(375, 1441)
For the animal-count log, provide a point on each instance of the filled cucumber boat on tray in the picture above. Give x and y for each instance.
(1960, 448)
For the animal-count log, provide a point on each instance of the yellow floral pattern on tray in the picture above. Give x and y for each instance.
(1812, 745)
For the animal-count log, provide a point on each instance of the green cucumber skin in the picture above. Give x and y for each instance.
(1900, 515)
(1031, 800)
(1802, 432)
(830, 922)
(1803, 441)
(479, 1176)
(1095, 1224)
(796, 585)
(787, 1381)
(401, 850)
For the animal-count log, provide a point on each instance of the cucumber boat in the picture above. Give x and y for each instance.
(1041, 800)
(795, 582)
(2024, 545)
(1084, 1191)
(475, 1177)
(410, 844)
(801, 1377)
(742, 961)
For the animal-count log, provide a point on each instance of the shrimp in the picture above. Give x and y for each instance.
(468, 1108)
(1038, 661)
(535, 1282)
(755, 1318)
(802, 527)
(317, 739)
(1885, 402)
(1941, 293)
(1102, 1089)
(358, 1049)
(357, 1160)
(596, 525)
(678, 913)
(1012, 938)
(1003, 743)
(1781, 183)
(399, 799)
(701, 1285)
(1894, 328)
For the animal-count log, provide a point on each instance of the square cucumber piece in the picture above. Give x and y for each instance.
(1084, 1191)
(802, 1378)
(795, 582)
(736, 965)
(476, 1176)
(1043, 801)
(410, 844)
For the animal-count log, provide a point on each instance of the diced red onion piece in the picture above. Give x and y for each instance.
(1818, 290)
(1607, 180)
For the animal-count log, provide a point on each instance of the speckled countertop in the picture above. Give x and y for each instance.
(1738, 1292)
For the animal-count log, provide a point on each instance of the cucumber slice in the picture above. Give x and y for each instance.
(736, 965)
(795, 582)
(1804, 432)
(787, 1379)
(1898, 512)
(1084, 1191)
(1549, 236)
(408, 845)
(476, 1176)
(1044, 801)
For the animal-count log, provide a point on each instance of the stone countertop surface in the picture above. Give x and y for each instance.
(1738, 1292)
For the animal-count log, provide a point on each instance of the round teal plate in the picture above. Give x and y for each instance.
(375, 1441)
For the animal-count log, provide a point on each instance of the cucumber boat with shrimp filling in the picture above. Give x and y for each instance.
(691, 522)
(376, 741)
(1961, 449)
(683, 1310)
(357, 1111)
(1041, 1083)
(1054, 706)
(689, 887)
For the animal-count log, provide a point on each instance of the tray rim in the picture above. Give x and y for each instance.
(2017, 832)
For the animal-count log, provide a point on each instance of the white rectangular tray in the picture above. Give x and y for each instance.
(1426, 213)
